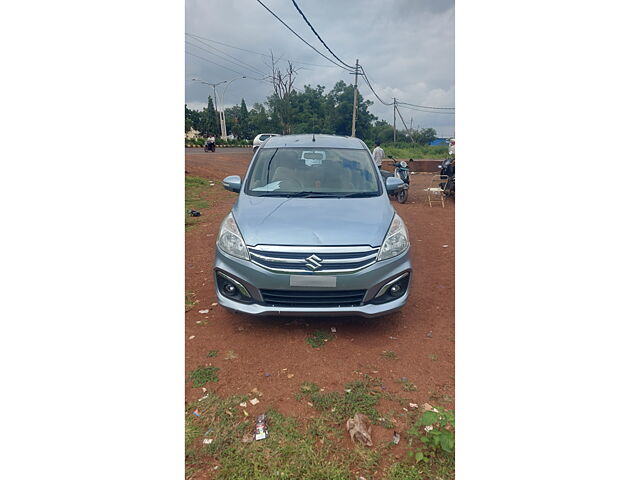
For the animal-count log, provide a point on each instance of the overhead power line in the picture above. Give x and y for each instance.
(399, 105)
(426, 106)
(258, 53)
(233, 59)
(227, 68)
(251, 69)
(320, 38)
(366, 79)
(405, 125)
(292, 31)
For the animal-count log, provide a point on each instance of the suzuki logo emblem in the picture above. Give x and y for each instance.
(314, 262)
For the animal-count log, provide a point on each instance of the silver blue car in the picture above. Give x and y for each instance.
(313, 233)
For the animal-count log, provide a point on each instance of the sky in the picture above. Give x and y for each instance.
(406, 48)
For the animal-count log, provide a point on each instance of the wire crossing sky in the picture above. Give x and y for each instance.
(406, 48)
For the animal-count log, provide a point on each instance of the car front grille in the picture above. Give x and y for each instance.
(327, 260)
(312, 298)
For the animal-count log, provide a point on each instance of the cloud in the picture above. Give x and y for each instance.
(405, 46)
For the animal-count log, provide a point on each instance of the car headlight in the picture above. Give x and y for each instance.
(396, 241)
(230, 240)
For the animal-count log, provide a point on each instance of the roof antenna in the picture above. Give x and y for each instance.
(313, 139)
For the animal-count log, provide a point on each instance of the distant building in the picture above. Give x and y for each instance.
(440, 141)
(191, 134)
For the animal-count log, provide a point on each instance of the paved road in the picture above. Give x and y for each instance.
(226, 150)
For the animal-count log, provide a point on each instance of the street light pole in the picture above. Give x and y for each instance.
(215, 102)
(223, 120)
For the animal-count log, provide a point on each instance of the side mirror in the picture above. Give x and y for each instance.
(232, 183)
(393, 184)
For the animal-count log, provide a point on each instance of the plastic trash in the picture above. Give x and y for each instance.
(206, 310)
(359, 429)
(254, 401)
(396, 438)
(194, 213)
(261, 431)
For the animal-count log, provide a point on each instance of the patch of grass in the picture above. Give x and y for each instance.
(403, 471)
(225, 430)
(314, 451)
(433, 357)
(389, 354)
(194, 187)
(189, 301)
(433, 443)
(288, 453)
(203, 375)
(407, 386)
(359, 396)
(212, 354)
(364, 460)
(306, 389)
(319, 338)
(191, 432)
(415, 151)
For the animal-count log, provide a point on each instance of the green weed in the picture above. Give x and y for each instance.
(203, 375)
(189, 301)
(194, 187)
(319, 338)
(389, 354)
(407, 386)
(433, 442)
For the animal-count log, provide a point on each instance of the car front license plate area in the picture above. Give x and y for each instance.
(326, 281)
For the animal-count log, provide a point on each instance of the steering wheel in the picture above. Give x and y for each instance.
(293, 180)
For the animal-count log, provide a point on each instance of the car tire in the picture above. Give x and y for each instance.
(403, 195)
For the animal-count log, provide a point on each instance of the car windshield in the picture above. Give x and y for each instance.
(313, 172)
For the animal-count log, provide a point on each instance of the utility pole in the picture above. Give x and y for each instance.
(355, 102)
(215, 108)
(394, 119)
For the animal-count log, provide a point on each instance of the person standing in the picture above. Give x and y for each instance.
(378, 154)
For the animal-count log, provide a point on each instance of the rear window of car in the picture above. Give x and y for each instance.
(264, 137)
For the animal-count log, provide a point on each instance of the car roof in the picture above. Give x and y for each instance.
(310, 141)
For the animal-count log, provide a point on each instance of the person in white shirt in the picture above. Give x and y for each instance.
(211, 139)
(378, 154)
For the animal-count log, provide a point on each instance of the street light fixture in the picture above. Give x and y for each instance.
(223, 122)
(215, 102)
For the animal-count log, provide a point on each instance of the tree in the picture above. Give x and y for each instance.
(425, 136)
(341, 99)
(210, 124)
(282, 89)
(243, 121)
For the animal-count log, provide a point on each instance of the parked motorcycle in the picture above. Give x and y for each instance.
(401, 171)
(210, 147)
(448, 168)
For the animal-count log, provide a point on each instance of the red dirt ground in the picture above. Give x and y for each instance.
(277, 346)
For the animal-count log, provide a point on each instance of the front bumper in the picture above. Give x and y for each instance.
(255, 278)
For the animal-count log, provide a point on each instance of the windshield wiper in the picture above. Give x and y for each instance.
(307, 194)
(360, 194)
(295, 194)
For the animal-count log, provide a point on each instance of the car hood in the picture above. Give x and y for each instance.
(313, 221)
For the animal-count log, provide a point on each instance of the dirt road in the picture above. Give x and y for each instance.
(272, 355)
